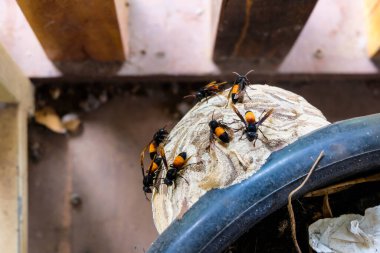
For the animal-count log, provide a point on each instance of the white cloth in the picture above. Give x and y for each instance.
(350, 233)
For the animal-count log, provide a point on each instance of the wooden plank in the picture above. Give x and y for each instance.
(259, 32)
(76, 30)
(337, 28)
(14, 86)
(332, 41)
(13, 180)
(16, 100)
(122, 13)
(373, 28)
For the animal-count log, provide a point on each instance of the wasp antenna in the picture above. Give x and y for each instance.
(249, 72)
(236, 73)
(189, 96)
(212, 116)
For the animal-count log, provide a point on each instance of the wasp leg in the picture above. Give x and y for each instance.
(237, 129)
(263, 134)
(234, 121)
(212, 145)
(254, 142)
(142, 155)
(157, 179)
(248, 85)
(187, 161)
(217, 95)
(228, 97)
(146, 196)
(224, 125)
(187, 165)
(211, 138)
(163, 156)
(247, 95)
(261, 114)
(184, 179)
(200, 162)
(242, 135)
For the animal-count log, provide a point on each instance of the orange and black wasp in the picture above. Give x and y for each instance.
(154, 147)
(251, 125)
(179, 163)
(218, 129)
(210, 89)
(236, 92)
(150, 178)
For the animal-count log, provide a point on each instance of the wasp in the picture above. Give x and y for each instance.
(210, 89)
(179, 163)
(251, 125)
(218, 130)
(238, 87)
(154, 147)
(150, 178)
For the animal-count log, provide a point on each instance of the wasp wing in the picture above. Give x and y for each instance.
(163, 156)
(239, 115)
(142, 155)
(213, 86)
(210, 84)
(266, 115)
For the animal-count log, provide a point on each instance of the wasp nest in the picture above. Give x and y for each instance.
(223, 165)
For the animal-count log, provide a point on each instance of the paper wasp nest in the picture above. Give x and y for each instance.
(226, 165)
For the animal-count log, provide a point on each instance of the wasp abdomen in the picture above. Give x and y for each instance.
(222, 134)
(179, 160)
(152, 150)
(155, 165)
(234, 92)
(250, 117)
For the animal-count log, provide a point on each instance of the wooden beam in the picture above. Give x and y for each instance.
(373, 28)
(14, 86)
(16, 101)
(258, 33)
(337, 28)
(13, 180)
(76, 30)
